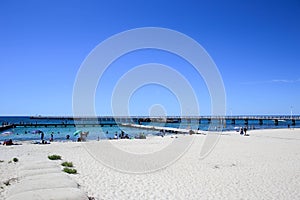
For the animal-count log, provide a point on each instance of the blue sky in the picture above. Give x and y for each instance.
(255, 45)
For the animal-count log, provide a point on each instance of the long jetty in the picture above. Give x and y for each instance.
(260, 118)
(47, 125)
(112, 121)
(173, 118)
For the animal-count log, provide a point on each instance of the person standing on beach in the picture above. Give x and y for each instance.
(42, 137)
(241, 131)
(245, 131)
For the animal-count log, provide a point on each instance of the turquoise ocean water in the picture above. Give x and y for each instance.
(106, 132)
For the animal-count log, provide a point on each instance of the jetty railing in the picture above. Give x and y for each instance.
(111, 121)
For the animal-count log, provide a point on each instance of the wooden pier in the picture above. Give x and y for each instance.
(292, 120)
(113, 121)
(261, 119)
(61, 125)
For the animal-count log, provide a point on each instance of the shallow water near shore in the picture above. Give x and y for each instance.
(108, 131)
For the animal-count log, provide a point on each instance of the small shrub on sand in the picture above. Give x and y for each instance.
(70, 171)
(1, 161)
(67, 164)
(15, 159)
(6, 183)
(54, 157)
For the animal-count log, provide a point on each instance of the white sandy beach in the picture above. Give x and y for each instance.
(265, 165)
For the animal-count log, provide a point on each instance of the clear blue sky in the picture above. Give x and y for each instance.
(255, 45)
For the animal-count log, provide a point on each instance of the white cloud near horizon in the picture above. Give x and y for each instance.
(273, 81)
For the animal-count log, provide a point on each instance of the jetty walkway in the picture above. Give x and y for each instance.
(47, 125)
(113, 121)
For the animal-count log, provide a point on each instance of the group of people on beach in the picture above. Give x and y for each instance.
(122, 135)
(44, 141)
(243, 131)
(8, 142)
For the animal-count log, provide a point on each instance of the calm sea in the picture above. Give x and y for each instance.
(105, 132)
